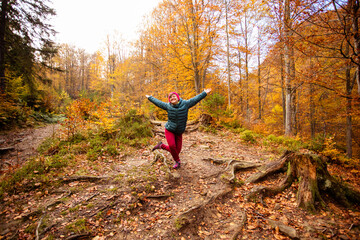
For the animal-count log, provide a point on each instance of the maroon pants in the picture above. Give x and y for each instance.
(174, 144)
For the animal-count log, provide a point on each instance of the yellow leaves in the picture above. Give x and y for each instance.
(330, 148)
(104, 119)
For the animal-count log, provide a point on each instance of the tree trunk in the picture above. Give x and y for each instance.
(349, 87)
(247, 109)
(312, 111)
(287, 56)
(356, 37)
(348, 108)
(3, 23)
(227, 51)
(240, 82)
(282, 82)
(194, 47)
(259, 78)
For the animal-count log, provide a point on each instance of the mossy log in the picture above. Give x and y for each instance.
(310, 170)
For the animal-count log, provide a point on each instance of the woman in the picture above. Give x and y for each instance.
(177, 110)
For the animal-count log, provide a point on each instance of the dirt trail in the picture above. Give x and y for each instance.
(17, 146)
(133, 196)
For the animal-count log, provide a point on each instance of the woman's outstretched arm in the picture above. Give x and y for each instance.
(193, 101)
(157, 102)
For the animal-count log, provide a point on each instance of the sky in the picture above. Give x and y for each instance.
(86, 23)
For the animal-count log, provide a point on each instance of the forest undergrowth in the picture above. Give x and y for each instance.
(111, 186)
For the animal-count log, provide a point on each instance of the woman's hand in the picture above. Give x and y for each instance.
(207, 90)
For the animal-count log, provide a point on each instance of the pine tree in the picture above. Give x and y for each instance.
(25, 39)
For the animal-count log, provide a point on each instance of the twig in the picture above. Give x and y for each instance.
(351, 226)
(38, 226)
(260, 215)
(159, 196)
(94, 195)
(54, 204)
(79, 236)
(108, 206)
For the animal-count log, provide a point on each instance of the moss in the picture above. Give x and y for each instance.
(74, 209)
(78, 226)
(180, 222)
(238, 183)
(30, 228)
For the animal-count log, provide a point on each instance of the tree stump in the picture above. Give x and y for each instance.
(206, 120)
(310, 170)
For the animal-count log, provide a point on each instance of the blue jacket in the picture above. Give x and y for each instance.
(177, 114)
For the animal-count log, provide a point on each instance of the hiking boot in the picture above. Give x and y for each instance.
(176, 165)
(158, 146)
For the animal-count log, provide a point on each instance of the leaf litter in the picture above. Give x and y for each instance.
(135, 197)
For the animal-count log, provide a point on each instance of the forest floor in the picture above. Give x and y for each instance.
(17, 146)
(135, 196)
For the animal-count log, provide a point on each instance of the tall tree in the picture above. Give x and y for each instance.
(23, 33)
(3, 26)
(227, 50)
(245, 20)
(185, 37)
(288, 75)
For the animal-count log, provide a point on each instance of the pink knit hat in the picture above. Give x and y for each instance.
(177, 95)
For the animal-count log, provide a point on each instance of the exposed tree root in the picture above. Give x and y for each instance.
(196, 213)
(232, 166)
(159, 156)
(240, 227)
(113, 201)
(4, 150)
(289, 231)
(79, 236)
(270, 168)
(314, 180)
(159, 196)
(82, 178)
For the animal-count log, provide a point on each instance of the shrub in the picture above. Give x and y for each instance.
(111, 150)
(133, 129)
(286, 143)
(248, 136)
(77, 138)
(317, 143)
(215, 105)
(12, 112)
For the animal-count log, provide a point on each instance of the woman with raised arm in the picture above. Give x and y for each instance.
(177, 110)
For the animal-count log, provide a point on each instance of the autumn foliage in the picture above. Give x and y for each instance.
(285, 78)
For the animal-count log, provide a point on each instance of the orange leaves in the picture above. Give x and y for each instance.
(83, 113)
(77, 115)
